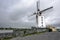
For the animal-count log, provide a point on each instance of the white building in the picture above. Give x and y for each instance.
(41, 22)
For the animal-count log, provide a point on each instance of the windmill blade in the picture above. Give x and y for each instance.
(32, 14)
(46, 9)
(37, 5)
(37, 20)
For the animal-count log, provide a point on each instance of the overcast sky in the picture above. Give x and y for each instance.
(14, 13)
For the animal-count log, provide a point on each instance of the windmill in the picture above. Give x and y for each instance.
(39, 18)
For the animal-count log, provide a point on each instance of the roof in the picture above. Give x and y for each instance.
(6, 31)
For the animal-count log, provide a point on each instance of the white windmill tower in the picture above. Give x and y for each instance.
(39, 18)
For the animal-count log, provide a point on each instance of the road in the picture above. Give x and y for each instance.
(44, 36)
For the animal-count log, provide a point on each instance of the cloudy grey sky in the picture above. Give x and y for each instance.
(14, 13)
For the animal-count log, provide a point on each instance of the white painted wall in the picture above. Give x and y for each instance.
(40, 20)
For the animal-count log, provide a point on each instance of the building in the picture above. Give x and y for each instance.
(6, 33)
(41, 22)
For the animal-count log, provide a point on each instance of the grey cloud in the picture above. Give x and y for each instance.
(52, 16)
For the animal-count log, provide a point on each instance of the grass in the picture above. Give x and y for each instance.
(6, 38)
(33, 33)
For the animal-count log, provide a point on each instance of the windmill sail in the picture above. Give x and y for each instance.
(46, 9)
(38, 6)
(37, 20)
